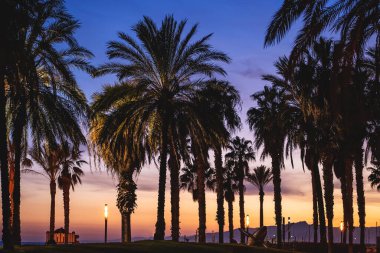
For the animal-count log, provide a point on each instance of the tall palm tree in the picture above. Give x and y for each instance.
(158, 75)
(126, 202)
(230, 186)
(222, 101)
(50, 158)
(306, 88)
(10, 46)
(240, 153)
(123, 159)
(270, 122)
(70, 175)
(45, 102)
(260, 177)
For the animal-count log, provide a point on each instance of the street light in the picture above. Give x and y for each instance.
(341, 231)
(288, 229)
(247, 221)
(105, 222)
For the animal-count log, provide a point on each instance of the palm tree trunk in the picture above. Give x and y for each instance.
(160, 224)
(6, 209)
(344, 201)
(231, 220)
(126, 235)
(201, 196)
(321, 206)
(241, 209)
(219, 191)
(123, 225)
(17, 178)
(276, 170)
(329, 199)
(350, 209)
(360, 195)
(174, 191)
(11, 184)
(53, 190)
(261, 193)
(128, 227)
(315, 207)
(66, 208)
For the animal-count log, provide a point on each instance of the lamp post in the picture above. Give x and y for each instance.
(247, 223)
(105, 222)
(288, 229)
(341, 231)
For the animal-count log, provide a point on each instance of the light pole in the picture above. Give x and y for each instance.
(288, 229)
(105, 222)
(247, 223)
(341, 231)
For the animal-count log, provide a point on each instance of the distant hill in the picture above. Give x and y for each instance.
(299, 231)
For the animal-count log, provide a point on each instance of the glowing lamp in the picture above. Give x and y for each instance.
(105, 211)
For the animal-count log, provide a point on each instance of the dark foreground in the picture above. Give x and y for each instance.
(146, 246)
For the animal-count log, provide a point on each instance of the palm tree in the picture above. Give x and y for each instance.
(123, 159)
(270, 122)
(305, 88)
(230, 186)
(240, 153)
(45, 102)
(260, 177)
(374, 176)
(126, 202)
(189, 179)
(222, 101)
(354, 20)
(156, 83)
(50, 158)
(70, 175)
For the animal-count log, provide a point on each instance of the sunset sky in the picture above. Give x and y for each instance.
(239, 29)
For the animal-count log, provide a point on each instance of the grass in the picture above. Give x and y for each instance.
(145, 247)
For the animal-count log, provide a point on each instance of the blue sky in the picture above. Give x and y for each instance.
(238, 29)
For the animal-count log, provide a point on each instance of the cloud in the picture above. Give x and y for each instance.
(251, 72)
(285, 190)
(248, 68)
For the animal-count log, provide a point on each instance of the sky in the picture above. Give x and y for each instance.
(238, 29)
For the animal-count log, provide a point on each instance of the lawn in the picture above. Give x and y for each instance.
(146, 246)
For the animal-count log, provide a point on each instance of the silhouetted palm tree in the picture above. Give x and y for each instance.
(354, 20)
(222, 101)
(270, 122)
(156, 83)
(70, 176)
(374, 176)
(240, 153)
(50, 158)
(230, 186)
(189, 179)
(44, 100)
(260, 177)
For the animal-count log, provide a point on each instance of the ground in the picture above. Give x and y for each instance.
(145, 247)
